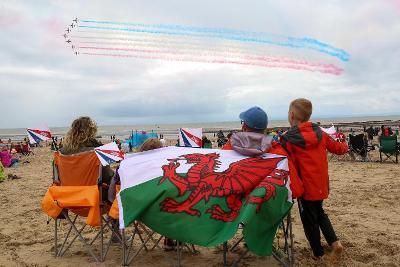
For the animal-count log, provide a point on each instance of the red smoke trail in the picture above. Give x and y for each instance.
(176, 56)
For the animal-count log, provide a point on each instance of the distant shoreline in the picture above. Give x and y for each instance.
(344, 119)
(171, 130)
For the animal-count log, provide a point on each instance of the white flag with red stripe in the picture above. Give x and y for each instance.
(109, 153)
(36, 135)
(190, 137)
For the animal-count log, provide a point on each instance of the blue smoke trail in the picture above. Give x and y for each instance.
(228, 34)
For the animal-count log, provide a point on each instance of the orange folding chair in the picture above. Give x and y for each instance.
(77, 192)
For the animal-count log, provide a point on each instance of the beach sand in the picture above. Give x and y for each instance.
(363, 207)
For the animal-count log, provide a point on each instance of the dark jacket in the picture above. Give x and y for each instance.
(307, 144)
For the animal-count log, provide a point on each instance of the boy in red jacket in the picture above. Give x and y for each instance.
(307, 144)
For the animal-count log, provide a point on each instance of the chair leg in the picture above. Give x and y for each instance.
(380, 155)
(114, 232)
(236, 244)
(101, 241)
(179, 248)
(143, 246)
(88, 247)
(225, 262)
(61, 251)
(55, 238)
(157, 242)
(150, 234)
(123, 248)
(291, 249)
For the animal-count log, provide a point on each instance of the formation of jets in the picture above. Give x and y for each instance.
(68, 30)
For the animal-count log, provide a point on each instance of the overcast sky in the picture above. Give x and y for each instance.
(42, 82)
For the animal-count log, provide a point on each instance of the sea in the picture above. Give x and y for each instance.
(171, 130)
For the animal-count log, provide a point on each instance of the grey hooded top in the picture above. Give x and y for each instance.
(250, 143)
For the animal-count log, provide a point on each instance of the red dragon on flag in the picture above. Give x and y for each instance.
(239, 180)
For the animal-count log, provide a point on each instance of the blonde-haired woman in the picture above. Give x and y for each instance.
(81, 138)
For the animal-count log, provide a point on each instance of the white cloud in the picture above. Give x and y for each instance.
(51, 85)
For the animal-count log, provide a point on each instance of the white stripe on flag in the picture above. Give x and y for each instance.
(140, 167)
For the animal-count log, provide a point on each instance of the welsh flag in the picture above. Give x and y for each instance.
(200, 196)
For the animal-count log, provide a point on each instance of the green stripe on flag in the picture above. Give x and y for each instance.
(142, 202)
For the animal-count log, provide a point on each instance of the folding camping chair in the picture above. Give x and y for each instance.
(26, 150)
(283, 246)
(140, 229)
(389, 147)
(83, 169)
(358, 146)
(18, 148)
(207, 145)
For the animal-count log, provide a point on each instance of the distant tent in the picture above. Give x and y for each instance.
(190, 137)
(138, 138)
(36, 135)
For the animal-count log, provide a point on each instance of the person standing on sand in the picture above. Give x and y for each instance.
(307, 144)
(163, 141)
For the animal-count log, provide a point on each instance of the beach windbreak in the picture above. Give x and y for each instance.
(200, 196)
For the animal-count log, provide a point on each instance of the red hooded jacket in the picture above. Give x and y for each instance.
(306, 145)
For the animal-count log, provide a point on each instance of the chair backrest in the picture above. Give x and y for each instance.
(388, 144)
(77, 169)
(18, 148)
(26, 148)
(357, 141)
(207, 145)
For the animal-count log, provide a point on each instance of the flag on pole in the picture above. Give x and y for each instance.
(109, 153)
(199, 196)
(330, 131)
(190, 137)
(36, 135)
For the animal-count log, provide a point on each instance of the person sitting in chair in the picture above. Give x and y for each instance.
(81, 138)
(7, 159)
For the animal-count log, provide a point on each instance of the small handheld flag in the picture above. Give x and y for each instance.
(109, 153)
(331, 131)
